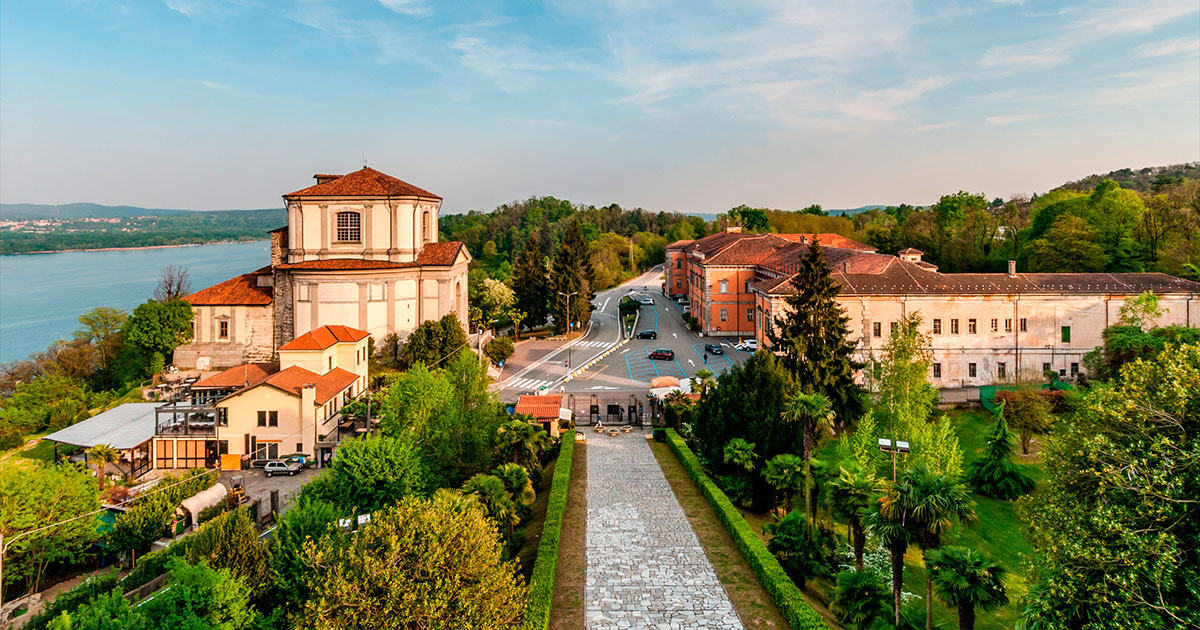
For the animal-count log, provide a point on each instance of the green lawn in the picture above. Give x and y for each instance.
(997, 532)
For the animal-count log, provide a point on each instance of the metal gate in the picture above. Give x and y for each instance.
(608, 410)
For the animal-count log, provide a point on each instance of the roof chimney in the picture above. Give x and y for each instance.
(325, 177)
(1012, 269)
(845, 266)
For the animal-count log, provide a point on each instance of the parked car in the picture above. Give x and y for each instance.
(645, 299)
(686, 308)
(663, 354)
(647, 334)
(713, 348)
(749, 345)
(280, 467)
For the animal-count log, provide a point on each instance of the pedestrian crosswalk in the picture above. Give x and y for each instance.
(526, 383)
(595, 344)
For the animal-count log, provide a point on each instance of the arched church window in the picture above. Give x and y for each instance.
(425, 227)
(349, 227)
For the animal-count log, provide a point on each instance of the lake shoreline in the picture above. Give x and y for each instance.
(135, 248)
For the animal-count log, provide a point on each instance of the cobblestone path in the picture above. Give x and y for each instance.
(645, 566)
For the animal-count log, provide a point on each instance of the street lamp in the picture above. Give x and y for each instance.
(897, 447)
(568, 296)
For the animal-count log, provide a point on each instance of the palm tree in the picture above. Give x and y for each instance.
(813, 414)
(526, 439)
(702, 382)
(860, 598)
(965, 579)
(783, 473)
(491, 492)
(679, 404)
(932, 501)
(103, 454)
(895, 535)
(740, 453)
(850, 496)
(517, 482)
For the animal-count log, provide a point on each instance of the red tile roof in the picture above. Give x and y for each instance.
(242, 290)
(324, 337)
(237, 377)
(681, 244)
(440, 254)
(829, 239)
(910, 250)
(294, 379)
(346, 264)
(540, 407)
(747, 251)
(366, 182)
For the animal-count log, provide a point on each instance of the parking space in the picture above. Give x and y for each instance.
(259, 486)
(643, 368)
(716, 362)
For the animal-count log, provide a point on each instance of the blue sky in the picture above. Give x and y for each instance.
(687, 106)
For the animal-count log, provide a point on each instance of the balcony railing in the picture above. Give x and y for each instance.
(186, 419)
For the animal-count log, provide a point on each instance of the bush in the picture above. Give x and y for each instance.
(11, 437)
(660, 435)
(210, 512)
(499, 349)
(770, 574)
(738, 489)
(70, 601)
(537, 616)
(804, 550)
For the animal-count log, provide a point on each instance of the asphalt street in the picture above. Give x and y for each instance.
(629, 367)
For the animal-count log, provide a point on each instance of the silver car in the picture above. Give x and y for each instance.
(278, 467)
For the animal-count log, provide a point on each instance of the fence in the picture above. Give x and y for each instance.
(614, 409)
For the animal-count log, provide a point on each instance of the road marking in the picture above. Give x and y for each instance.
(675, 335)
(626, 350)
(692, 362)
(605, 304)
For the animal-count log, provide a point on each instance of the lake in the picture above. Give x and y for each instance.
(42, 295)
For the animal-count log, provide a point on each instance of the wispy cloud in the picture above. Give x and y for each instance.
(1168, 47)
(213, 85)
(1123, 18)
(994, 121)
(416, 8)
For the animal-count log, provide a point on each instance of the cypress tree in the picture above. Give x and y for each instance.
(995, 475)
(571, 273)
(531, 282)
(811, 338)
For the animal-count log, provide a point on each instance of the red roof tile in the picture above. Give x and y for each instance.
(242, 290)
(366, 182)
(329, 385)
(324, 337)
(540, 407)
(829, 239)
(439, 254)
(680, 244)
(346, 264)
(237, 377)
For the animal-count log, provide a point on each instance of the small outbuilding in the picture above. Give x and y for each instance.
(545, 409)
(128, 428)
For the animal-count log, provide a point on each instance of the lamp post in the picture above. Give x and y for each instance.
(568, 296)
(895, 447)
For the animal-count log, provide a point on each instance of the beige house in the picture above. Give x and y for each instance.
(359, 249)
(266, 410)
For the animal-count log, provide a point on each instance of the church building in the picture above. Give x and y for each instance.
(359, 250)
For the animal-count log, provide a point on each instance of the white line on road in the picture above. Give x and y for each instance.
(675, 335)
(626, 350)
(605, 304)
(692, 362)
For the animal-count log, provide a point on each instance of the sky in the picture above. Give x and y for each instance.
(689, 105)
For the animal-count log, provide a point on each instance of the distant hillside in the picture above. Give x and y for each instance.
(1143, 180)
(141, 227)
(19, 211)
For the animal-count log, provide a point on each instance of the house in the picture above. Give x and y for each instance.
(266, 410)
(359, 249)
(545, 409)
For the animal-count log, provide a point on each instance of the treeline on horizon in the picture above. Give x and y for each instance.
(169, 229)
(1123, 221)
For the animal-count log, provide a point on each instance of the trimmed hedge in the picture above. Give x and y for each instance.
(541, 593)
(782, 589)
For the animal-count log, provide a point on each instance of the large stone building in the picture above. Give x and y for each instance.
(360, 249)
(985, 327)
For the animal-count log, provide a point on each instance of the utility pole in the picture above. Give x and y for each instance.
(568, 296)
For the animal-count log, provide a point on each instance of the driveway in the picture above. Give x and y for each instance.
(259, 486)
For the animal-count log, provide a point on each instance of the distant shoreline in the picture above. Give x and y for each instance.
(126, 249)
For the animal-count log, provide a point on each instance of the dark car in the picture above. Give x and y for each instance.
(663, 354)
(713, 348)
(647, 334)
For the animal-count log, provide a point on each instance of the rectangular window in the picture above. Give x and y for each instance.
(937, 370)
(954, 327)
(1066, 334)
(724, 286)
(223, 447)
(1023, 327)
(971, 327)
(971, 370)
(679, 263)
(348, 227)
(877, 329)
(164, 453)
(273, 419)
(748, 283)
(191, 454)
(1045, 367)
(299, 447)
(749, 314)
(1000, 370)
(262, 418)
(1074, 369)
(895, 325)
(223, 329)
(1008, 325)
(679, 284)
(937, 326)
(724, 314)
(995, 325)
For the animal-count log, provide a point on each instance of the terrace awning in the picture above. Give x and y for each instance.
(125, 427)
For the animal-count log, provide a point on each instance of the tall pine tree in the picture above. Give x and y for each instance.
(571, 273)
(811, 339)
(995, 475)
(531, 281)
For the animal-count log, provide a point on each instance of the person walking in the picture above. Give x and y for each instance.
(706, 358)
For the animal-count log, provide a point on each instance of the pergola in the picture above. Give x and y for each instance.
(128, 428)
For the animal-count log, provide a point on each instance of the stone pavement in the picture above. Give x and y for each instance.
(645, 566)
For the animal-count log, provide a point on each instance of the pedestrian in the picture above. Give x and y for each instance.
(705, 358)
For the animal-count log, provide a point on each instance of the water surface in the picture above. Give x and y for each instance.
(42, 295)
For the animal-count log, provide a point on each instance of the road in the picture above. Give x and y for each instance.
(626, 368)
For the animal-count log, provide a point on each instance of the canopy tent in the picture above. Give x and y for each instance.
(664, 381)
(204, 499)
(681, 385)
(122, 428)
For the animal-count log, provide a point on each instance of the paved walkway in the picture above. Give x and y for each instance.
(645, 567)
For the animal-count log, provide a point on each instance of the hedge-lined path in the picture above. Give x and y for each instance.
(566, 611)
(645, 566)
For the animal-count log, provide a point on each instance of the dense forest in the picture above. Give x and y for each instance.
(183, 228)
